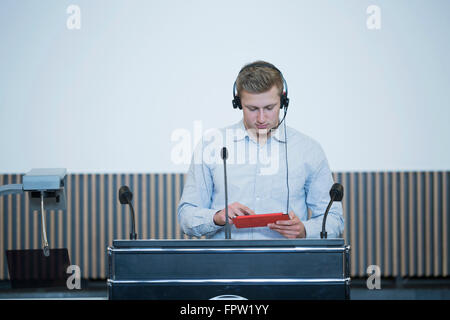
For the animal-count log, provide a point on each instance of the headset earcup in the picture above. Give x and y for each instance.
(284, 101)
(237, 103)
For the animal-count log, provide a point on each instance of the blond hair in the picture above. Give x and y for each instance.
(259, 77)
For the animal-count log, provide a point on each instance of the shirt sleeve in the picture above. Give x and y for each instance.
(317, 190)
(195, 215)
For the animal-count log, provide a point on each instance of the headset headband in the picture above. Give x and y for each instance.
(284, 100)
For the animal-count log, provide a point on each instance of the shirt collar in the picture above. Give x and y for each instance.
(241, 132)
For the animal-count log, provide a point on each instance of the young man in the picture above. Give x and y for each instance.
(271, 168)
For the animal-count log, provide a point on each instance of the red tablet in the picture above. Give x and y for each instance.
(258, 220)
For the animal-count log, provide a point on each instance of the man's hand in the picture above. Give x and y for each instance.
(291, 229)
(235, 209)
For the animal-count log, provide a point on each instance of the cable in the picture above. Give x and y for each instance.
(287, 168)
(284, 116)
(286, 157)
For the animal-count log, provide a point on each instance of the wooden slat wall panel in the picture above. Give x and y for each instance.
(397, 220)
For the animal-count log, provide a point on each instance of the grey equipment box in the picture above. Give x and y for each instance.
(242, 269)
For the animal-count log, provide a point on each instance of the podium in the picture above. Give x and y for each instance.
(235, 269)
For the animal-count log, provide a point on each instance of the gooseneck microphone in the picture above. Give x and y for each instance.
(336, 194)
(224, 155)
(125, 197)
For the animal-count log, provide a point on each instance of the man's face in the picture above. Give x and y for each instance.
(261, 110)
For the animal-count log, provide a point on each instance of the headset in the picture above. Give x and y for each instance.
(284, 100)
(284, 103)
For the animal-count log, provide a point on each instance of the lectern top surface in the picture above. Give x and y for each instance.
(337, 242)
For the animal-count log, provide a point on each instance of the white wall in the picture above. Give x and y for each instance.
(107, 97)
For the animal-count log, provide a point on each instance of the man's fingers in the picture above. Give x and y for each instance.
(250, 211)
(233, 210)
(243, 211)
(232, 213)
(246, 210)
(293, 228)
(286, 222)
(294, 220)
(240, 209)
(281, 227)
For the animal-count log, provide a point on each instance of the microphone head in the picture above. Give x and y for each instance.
(224, 153)
(125, 195)
(337, 192)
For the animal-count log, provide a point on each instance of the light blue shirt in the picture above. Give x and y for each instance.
(256, 178)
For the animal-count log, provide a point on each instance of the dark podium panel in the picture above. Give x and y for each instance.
(251, 269)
